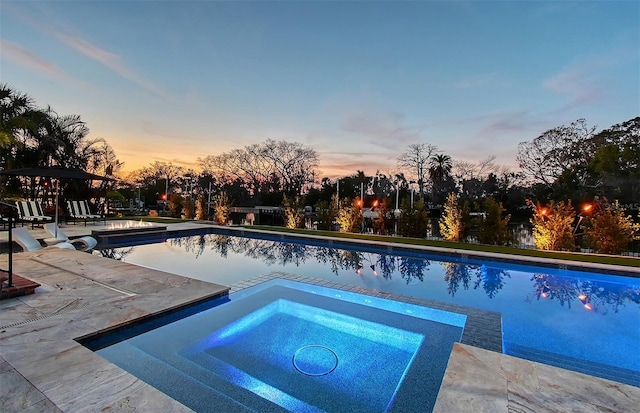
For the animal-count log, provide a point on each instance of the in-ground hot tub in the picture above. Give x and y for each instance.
(299, 347)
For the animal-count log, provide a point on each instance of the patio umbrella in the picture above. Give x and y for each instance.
(56, 172)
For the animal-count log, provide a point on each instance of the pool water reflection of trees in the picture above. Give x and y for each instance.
(598, 296)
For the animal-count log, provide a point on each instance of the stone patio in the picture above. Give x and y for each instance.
(43, 368)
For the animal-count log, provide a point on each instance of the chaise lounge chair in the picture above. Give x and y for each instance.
(85, 243)
(4, 221)
(28, 243)
(80, 210)
(31, 211)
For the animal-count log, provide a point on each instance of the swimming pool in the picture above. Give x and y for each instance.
(578, 320)
(298, 347)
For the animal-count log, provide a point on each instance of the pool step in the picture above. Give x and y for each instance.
(571, 363)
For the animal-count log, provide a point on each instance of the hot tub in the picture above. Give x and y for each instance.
(285, 345)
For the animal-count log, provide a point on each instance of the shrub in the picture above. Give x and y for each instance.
(452, 221)
(221, 208)
(493, 228)
(201, 208)
(327, 213)
(413, 220)
(349, 215)
(175, 206)
(294, 216)
(188, 208)
(553, 226)
(383, 224)
(609, 230)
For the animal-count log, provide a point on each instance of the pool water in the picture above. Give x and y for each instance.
(579, 320)
(298, 347)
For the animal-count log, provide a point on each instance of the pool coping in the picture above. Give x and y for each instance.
(44, 368)
(42, 365)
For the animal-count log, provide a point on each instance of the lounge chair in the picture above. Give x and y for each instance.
(4, 220)
(31, 211)
(28, 243)
(80, 210)
(85, 243)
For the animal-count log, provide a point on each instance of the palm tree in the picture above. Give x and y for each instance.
(17, 116)
(19, 124)
(440, 167)
(440, 173)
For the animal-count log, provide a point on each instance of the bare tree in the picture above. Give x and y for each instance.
(464, 170)
(292, 162)
(556, 150)
(279, 166)
(415, 162)
(245, 164)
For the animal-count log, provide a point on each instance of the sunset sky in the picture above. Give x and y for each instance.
(173, 81)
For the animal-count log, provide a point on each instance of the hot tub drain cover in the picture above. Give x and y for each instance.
(315, 360)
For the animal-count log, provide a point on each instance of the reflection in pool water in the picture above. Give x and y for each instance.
(560, 317)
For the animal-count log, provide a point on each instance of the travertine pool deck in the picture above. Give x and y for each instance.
(43, 368)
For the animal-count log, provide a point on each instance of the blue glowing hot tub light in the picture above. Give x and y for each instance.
(299, 347)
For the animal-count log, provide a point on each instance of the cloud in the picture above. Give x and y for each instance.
(508, 123)
(494, 124)
(579, 85)
(385, 128)
(25, 58)
(588, 80)
(107, 59)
